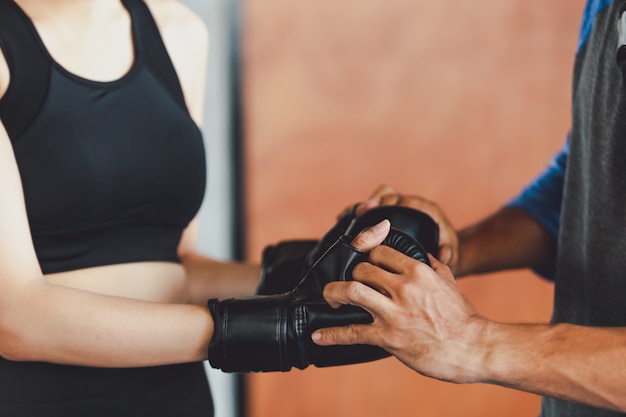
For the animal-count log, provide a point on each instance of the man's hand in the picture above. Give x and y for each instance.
(449, 253)
(386, 195)
(372, 237)
(420, 316)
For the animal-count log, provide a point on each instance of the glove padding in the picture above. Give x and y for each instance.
(284, 264)
(417, 224)
(273, 333)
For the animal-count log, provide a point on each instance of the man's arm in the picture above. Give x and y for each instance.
(521, 234)
(508, 239)
(422, 318)
(575, 363)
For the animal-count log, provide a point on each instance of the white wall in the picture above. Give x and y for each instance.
(216, 213)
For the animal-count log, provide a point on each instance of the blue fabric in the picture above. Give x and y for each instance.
(542, 200)
(591, 10)
(542, 197)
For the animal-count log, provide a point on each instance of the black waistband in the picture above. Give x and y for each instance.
(36, 382)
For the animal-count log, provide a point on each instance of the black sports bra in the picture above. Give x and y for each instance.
(112, 172)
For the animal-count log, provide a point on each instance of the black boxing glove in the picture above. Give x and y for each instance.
(284, 264)
(417, 224)
(273, 333)
(330, 237)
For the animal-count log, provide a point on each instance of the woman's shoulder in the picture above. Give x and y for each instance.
(186, 38)
(184, 32)
(176, 19)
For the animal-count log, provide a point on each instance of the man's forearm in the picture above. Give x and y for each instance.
(576, 363)
(508, 239)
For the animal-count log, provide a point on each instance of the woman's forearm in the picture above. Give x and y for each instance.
(209, 278)
(62, 325)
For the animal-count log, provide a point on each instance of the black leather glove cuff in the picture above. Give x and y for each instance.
(250, 334)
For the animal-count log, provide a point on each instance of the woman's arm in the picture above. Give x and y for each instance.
(210, 278)
(43, 322)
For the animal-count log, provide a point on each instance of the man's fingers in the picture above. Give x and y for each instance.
(382, 190)
(374, 277)
(445, 254)
(386, 195)
(357, 294)
(391, 259)
(347, 335)
(419, 203)
(372, 237)
(390, 200)
(366, 205)
(441, 269)
(383, 193)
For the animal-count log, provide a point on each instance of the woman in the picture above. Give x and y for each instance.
(102, 173)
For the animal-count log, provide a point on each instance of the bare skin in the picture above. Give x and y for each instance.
(422, 318)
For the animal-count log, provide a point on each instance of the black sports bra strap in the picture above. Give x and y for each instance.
(29, 68)
(152, 49)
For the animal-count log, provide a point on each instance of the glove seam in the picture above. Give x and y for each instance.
(300, 331)
(283, 356)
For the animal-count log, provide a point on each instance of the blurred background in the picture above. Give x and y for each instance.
(312, 105)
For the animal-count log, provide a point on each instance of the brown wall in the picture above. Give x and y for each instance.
(459, 101)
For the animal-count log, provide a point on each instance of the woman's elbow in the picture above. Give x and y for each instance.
(13, 345)
(16, 341)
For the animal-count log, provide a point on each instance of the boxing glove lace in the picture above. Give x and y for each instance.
(284, 264)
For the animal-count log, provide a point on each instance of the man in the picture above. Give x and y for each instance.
(569, 224)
